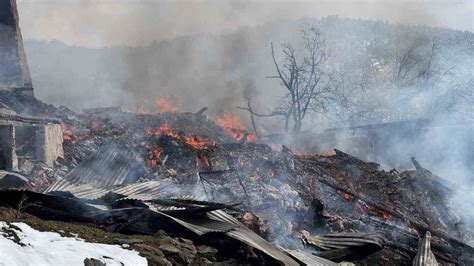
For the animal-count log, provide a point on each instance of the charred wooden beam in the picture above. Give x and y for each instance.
(28, 119)
(201, 111)
(111, 109)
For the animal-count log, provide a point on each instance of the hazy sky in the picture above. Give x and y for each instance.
(95, 23)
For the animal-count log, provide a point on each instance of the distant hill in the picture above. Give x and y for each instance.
(218, 71)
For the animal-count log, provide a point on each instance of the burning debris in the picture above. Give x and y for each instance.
(234, 127)
(141, 173)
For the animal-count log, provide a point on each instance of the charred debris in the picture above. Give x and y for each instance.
(214, 184)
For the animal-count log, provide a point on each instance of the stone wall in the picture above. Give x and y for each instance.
(49, 143)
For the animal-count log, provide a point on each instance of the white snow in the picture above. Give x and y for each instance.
(48, 248)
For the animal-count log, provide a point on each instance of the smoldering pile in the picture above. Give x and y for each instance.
(214, 183)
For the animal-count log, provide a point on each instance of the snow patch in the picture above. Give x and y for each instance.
(48, 248)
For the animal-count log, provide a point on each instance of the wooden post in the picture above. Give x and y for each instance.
(8, 158)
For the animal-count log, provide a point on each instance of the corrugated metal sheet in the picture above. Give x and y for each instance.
(424, 256)
(345, 240)
(216, 221)
(309, 259)
(202, 226)
(45, 204)
(219, 221)
(249, 237)
(142, 191)
(110, 166)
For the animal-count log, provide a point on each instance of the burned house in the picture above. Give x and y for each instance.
(21, 136)
(24, 137)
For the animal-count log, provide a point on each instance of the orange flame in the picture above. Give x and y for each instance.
(157, 152)
(271, 173)
(197, 143)
(140, 110)
(156, 155)
(302, 154)
(205, 160)
(384, 215)
(163, 106)
(347, 197)
(202, 162)
(251, 137)
(165, 130)
(67, 134)
(255, 177)
(328, 153)
(234, 127)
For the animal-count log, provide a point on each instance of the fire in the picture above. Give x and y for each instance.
(163, 106)
(384, 215)
(157, 152)
(205, 160)
(302, 154)
(202, 162)
(155, 156)
(251, 137)
(271, 173)
(67, 134)
(164, 130)
(328, 153)
(140, 110)
(255, 177)
(234, 127)
(347, 197)
(198, 144)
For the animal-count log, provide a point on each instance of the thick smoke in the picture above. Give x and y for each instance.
(217, 53)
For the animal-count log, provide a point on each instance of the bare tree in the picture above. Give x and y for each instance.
(457, 100)
(302, 77)
(414, 63)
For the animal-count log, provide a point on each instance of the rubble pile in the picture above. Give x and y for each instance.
(202, 180)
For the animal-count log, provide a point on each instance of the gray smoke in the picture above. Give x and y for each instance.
(216, 53)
